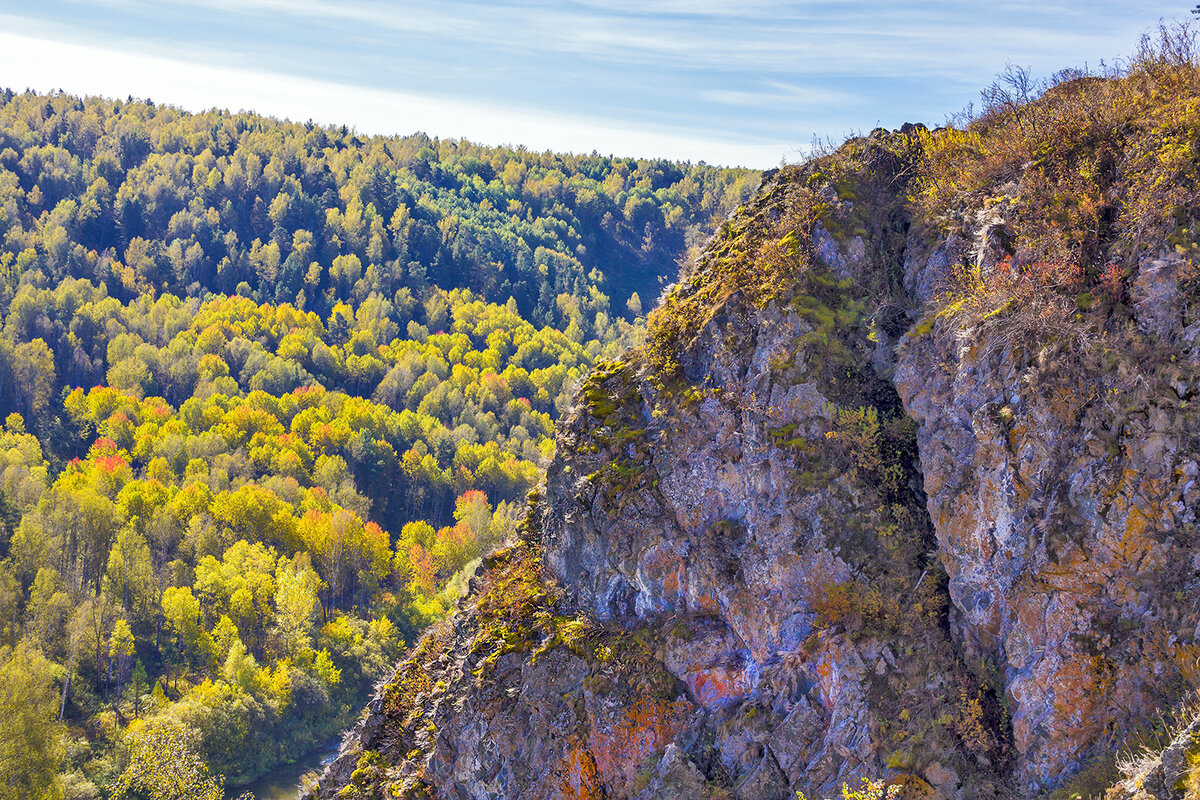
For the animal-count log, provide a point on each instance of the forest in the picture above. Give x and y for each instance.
(269, 390)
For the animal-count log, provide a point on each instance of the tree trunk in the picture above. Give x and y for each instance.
(66, 693)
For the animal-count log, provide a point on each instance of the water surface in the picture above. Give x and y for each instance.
(284, 782)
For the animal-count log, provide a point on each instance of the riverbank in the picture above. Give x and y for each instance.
(283, 783)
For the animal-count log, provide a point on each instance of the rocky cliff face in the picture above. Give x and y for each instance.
(1062, 483)
(841, 519)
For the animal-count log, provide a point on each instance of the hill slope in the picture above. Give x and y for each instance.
(267, 389)
(150, 199)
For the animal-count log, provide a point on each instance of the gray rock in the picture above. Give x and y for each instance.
(1157, 300)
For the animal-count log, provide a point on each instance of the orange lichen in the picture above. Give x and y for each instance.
(704, 599)
(640, 730)
(671, 584)
(712, 687)
(828, 680)
(1077, 685)
(1064, 404)
(580, 780)
(665, 561)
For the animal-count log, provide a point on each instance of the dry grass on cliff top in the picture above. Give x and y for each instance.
(1091, 173)
(1144, 751)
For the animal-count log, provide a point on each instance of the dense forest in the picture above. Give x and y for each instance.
(268, 391)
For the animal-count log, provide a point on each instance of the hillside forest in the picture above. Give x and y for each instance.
(268, 391)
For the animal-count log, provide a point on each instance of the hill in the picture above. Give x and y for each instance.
(268, 388)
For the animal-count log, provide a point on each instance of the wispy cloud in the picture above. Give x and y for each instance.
(752, 74)
(84, 69)
(772, 94)
(815, 38)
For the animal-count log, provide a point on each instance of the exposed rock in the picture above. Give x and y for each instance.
(750, 573)
(674, 777)
(1157, 301)
(844, 261)
(1065, 521)
(722, 530)
(1174, 774)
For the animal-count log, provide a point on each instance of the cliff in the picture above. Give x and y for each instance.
(901, 489)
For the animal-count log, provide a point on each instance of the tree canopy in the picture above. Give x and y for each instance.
(269, 391)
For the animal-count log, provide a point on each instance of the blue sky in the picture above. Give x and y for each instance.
(748, 83)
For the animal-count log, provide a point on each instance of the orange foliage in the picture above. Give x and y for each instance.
(111, 463)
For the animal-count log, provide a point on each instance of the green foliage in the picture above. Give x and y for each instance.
(164, 765)
(228, 541)
(295, 604)
(242, 510)
(31, 747)
(138, 685)
(284, 212)
(272, 391)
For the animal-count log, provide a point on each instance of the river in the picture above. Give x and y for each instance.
(284, 782)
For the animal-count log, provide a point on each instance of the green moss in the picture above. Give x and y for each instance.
(901, 760)
(615, 426)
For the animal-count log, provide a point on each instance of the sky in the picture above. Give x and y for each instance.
(743, 83)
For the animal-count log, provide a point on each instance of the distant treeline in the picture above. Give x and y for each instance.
(150, 199)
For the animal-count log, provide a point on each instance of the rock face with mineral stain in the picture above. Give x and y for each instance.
(829, 526)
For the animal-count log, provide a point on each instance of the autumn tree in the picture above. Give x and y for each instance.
(31, 748)
(165, 765)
